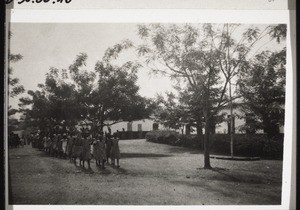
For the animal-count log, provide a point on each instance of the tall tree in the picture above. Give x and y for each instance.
(35, 109)
(14, 87)
(262, 85)
(201, 58)
(54, 103)
(113, 97)
(98, 98)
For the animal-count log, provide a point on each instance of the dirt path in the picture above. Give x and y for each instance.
(150, 174)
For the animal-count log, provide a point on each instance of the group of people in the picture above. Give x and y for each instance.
(80, 145)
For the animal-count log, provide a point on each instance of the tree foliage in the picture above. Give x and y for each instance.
(15, 88)
(170, 113)
(97, 98)
(262, 85)
(202, 59)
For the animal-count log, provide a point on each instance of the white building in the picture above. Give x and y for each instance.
(139, 125)
(147, 125)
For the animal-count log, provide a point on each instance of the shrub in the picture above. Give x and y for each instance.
(131, 134)
(193, 141)
(162, 136)
(248, 145)
(244, 145)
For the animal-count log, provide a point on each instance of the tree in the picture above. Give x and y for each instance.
(233, 53)
(183, 110)
(113, 98)
(203, 59)
(97, 98)
(13, 83)
(262, 85)
(186, 56)
(14, 88)
(53, 104)
(170, 113)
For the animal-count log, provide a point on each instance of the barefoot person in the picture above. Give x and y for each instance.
(59, 145)
(70, 146)
(64, 145)
(86, 150)
(99, 152)
(77, 148)
(108, 144)
(54, 145)
(115, 151)
(48, 144)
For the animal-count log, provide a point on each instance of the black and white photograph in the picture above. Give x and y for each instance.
(146, 113)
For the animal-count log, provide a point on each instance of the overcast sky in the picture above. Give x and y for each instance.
(45, 45)
(56, 45)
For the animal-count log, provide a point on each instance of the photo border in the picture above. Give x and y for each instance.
(181, 15)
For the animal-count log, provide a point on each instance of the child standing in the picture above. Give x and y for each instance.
(64, 145)
(77, 148)
(115, 151)
(99, 152)
(59, 145)
(108, 144)
(86, 150)
(70, 146)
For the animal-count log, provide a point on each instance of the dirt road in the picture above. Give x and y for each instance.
(150, 174)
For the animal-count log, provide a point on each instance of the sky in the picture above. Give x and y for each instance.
(45, 45)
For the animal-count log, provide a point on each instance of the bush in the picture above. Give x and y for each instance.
(192, 141)
(163, 136)
(248, 145)
(244, 145)
(131, 134)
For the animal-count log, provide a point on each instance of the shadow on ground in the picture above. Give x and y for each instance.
(143, 155)
(11, 157)
(223, 174)
(177, 149)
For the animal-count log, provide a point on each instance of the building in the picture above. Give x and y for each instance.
(222, 128)
(138, 125)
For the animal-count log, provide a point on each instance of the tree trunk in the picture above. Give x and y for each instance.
(187, 129)
(101, 126)
(200, 133)
(231, 136)
(231, 122)
(101, 119)
(206, 144)
(199, 128)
